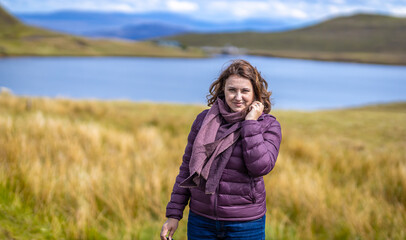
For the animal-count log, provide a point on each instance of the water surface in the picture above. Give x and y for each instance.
(296, 84)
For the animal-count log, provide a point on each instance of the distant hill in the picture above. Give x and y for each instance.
(144, 25)
(6, 18)
(18, 39)
(140, 31)
(360, 38)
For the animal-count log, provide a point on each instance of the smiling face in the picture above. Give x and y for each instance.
(239, 93)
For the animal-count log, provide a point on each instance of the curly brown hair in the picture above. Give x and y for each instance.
(243, 69)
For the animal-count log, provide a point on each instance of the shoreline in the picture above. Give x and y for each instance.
(6, 92)
(330, 57)
(326, 57)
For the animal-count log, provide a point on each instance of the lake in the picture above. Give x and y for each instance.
(295, 84)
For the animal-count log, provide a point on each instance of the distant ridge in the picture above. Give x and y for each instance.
(18, 39)
(138, 26)
(361, 38)
(140, 32)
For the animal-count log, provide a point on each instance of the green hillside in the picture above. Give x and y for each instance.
(6, 18)
(360, 38)
(17, 39)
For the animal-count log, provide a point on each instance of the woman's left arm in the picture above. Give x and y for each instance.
(260, 148)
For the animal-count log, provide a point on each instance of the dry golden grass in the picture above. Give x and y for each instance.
(104, 170)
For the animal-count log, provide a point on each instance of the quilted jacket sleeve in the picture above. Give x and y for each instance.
(260, 146)
(180, 196)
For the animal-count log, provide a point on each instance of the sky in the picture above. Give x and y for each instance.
(220, 9)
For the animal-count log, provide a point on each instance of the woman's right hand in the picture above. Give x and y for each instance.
(170, 227)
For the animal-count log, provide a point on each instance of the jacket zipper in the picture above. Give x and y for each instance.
(215, 203)
(254, 200)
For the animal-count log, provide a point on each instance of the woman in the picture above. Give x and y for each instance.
(231, 146)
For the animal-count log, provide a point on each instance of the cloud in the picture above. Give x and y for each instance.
(256, 9)
(182, 6)
(220, 10)
(106, 7)
(282, 9)
(338, 1)
(49, 5)
(246, 9)
(92, 5)
(398, 11)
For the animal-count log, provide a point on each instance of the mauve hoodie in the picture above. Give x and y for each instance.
(240, 195)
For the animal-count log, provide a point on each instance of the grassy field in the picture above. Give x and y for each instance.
(104, 170)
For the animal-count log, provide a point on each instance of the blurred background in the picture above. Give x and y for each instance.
(190, 42)
(97, 99)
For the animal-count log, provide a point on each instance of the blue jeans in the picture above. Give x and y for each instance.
(199, 227)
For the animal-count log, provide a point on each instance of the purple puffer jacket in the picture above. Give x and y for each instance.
(240, 195)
